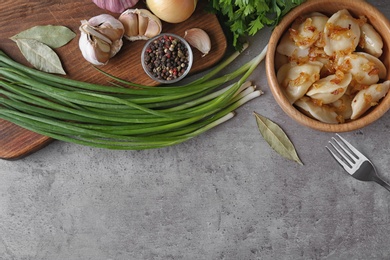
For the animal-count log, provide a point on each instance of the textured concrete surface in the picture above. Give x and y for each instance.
(223, 195)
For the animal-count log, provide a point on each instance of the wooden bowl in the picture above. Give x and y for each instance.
(329, 7)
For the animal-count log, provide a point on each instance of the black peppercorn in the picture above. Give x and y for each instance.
(166, 58)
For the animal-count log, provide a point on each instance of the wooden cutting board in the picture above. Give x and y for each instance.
(19, 15)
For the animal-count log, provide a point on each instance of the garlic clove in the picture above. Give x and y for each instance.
(115, 47)
(93, 49)
(130, 23)
(140, 24)
(143, 22)
(102, 46)
(198, 39)
(153, 29)
(111, 33)
(108, 26)
(154, 24)
(86, 28)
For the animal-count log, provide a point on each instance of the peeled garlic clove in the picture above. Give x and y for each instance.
(199, 39)
(368, 97)
(115, 6)
(140, 24)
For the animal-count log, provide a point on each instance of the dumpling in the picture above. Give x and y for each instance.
(318, 54)
(308, 30)
(364, 71)
(322, 113)
(288, 48)
(331, 88)
(341, 34)
(370, 41)
(368, 97)
(297, 79)
(382, 71)
(343, 106)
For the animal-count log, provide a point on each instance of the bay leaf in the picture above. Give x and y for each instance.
(276, 138)
(53, 36)
(41, 56)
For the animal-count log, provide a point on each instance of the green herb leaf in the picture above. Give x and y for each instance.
(40, 56)
(247, 17)
(276, 138)
(53, 36)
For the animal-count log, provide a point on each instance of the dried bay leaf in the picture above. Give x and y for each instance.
(276, 138)
(53, 36)
(41, 56)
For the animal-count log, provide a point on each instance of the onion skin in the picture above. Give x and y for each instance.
(172, 11)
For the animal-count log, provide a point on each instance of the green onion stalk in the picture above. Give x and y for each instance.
(124, 115)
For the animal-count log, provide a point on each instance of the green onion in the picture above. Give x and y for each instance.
(124, 115)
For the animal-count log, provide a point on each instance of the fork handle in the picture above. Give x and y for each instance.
(382, 183)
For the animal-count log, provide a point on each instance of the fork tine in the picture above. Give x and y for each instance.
(337, 158)
(344, 151)
(340, 150)
(356, 152)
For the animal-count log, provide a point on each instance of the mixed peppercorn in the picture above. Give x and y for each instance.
(166, 58)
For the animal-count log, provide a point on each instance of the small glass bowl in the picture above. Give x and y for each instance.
(164, 79)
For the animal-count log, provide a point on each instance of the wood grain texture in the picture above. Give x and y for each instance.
(18, 15)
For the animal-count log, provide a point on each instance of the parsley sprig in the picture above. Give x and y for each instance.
(247, 17)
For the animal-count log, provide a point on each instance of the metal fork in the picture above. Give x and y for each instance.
(354, 162)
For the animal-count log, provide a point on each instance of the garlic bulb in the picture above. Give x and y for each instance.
(115, 6)
(140, 24)
(101, 38)
(199, 39)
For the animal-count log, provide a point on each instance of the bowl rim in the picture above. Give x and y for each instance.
(307, 7)
(190, 58)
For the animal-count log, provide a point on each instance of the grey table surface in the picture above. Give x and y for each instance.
(222, 195)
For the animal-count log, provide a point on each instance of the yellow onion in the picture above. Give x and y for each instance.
(172, 11)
